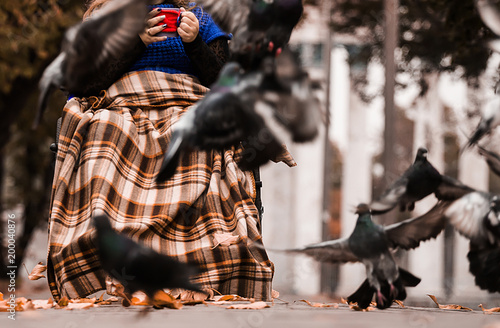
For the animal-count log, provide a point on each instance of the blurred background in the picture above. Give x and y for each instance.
(395, 74)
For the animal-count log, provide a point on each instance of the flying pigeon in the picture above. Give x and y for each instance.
(259, 27)
(418, 181)
(492, 158)
(476, 215)
(137, 267)
(223, 118)
(372, 245)
(250, 108)
(490, 119)
(89, 46)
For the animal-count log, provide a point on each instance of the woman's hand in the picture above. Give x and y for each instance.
(189, 26)
(148, 36)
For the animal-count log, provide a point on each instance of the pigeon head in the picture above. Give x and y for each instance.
(421, 154)
(230, 74)
(362, 209)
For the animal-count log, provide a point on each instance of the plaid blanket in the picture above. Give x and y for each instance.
(110, 149)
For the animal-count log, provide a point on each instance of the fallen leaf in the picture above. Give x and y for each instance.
(139, 298)
(79, 306)
(449, 306)
(1, 297)
(250, 306)
(63, 302)
(83, 300)
(320, 305)
(343, 300)
(489, 311)
(4, 307)
(28, 306)
(355, 307)
(400, 303)
(232, 298)
(189, 297)
(225, 239)
(275, 294)
(162, 299)
(36, 273)
(43, 304)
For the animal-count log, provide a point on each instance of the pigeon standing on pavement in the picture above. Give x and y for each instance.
(418, 181)
(137, 267)
(88, 47)
(372, 245)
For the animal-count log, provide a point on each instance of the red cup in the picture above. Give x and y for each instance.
(172, 19)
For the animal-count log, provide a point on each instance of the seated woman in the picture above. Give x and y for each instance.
(110, 149)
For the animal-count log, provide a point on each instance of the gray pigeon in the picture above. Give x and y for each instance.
(476, 216)
(260, 27)
(88, 47)
(137, 267)
(372, 245)
(250, 108)
(490, 119)
(418, 181)
(225, 117)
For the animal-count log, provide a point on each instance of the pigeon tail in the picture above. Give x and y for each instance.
(363, 295)
(484, 264)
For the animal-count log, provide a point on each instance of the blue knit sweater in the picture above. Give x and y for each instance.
(169, 56)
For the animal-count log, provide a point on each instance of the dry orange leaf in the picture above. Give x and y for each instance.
(28, 306)
(43, 304)
(189, 297)
(4, 307)
(79, 306)
(63, 301)
(250, 306)
(275, 294)
(83, 300)
(162, 299)
(1, 297)
(36, 273)
(357, 308)
(400, 303)
(489, 311)
(448, 306)
(320, 305)
(225, 239)
(232, 298)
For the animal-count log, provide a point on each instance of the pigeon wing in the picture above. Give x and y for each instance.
(332, 251)
(409, 233)
(390, 197)
(492, 159)
(92, 44)
(451, 189)
(230, 15)
(467, 215)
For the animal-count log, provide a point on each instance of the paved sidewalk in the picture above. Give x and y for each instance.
(294, 314)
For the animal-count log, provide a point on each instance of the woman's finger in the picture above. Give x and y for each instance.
(155, 20)
(153, 13)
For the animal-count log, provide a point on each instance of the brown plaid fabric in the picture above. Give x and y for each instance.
(110, 149)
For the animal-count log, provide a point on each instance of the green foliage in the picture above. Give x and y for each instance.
(435, 35)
